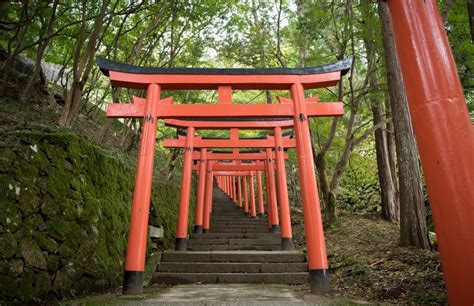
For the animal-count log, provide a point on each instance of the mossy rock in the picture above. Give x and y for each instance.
(32, 222)
(8, 286)
(15, 267)
(32, 255)
(8, 245)
(68, 248)
(58, 228)
(25, 288)
(10, 218)
(58, 184)
(62, 283)
(29, 202)
(6, 158)
(53, 263)
(49, 206)
(45, 242)
(42, 283)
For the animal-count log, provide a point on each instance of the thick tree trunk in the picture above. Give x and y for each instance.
(390, 208)
(413, 230)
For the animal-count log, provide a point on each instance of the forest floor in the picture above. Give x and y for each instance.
(366, 262)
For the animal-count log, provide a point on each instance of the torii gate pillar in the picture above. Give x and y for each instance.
(201, 193)
(136, 248)
(444, 136)
(317, 259)
(183, 211)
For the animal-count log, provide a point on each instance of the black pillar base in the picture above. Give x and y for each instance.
(287, 244)
(197, 229)
(320, 281)
(205, 230)
(275, 228)
(181, 244)
(247, 214)
(132, 283)
(260, 216)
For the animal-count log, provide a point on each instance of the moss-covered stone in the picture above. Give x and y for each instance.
(8, 286)
(49, 206)
(8, 245)
(29, 201)
(53, 263)
(25, 289)
(15, 267)
(58, 228)
(68, 248)
(61, 283)
(42, 283)
(32, 255)
(10, 218)
(45, 242)
(32, 222)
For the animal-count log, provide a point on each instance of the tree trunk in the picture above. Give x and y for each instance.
(390, 208)
(413, 230)
(39, 54)
(390, 135)
(445, 11)
(82, 65)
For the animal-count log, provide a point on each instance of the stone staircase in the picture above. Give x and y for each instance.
(237, 249)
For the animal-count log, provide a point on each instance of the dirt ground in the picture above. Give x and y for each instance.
(367, 263)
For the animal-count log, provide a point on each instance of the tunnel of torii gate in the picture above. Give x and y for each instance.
(440, 119)
(296, 111)
(236, 185)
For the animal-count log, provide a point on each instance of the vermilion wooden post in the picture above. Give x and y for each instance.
(183, 211)
(269, 197)
(234, 190)
(315, 244)
(246, 196)
(285, 218)
(261, 208)
(239, 191)
(444, 135)
(208, 201)
(226, 184)
(253, 210)
(201, 193)
(272, 188)
(136, 248)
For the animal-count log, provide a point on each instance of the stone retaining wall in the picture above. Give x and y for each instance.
(65, 207)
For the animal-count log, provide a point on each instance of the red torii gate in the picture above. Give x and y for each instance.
(153, 80)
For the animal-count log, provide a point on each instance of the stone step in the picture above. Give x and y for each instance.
(238, 230)
(244, 241)
(242, 221)
(243, 226)
(235, 256)
(234, 236)
(267, 278)
(254, 267)
(226, 247)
